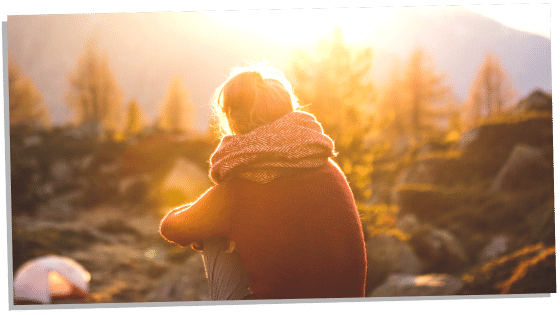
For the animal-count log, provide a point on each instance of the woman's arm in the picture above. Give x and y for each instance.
(208, 217)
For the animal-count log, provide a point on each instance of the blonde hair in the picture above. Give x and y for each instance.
(252, 96)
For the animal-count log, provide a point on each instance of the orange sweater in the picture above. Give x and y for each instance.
(298, 236)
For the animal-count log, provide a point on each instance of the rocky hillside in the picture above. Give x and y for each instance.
(474, 216)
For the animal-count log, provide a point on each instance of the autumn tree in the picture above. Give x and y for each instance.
(426, 93)
(26, 103)
(491, 89)
(391, 104)
(331, 82)
(177, 110)
(134, 120)
(94, 93)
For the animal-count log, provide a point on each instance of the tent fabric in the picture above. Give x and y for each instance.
(37, 279)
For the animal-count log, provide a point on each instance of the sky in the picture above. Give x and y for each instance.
(157, 41)
(530, 17)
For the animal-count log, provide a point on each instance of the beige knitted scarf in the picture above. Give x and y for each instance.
(292, 143)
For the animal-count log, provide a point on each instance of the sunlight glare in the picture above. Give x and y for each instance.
(304, 26)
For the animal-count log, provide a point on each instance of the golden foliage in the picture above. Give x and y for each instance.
(177, 110)
(491, 89)
(135, 119)
(26, 103)
(94, 93)
(332, 82)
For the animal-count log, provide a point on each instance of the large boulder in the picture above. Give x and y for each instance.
(536, 101)
(427, 202)
(486, 148)
(525, 168)
(386, 254)
(496, 247)
(418, 285)
(438, 250)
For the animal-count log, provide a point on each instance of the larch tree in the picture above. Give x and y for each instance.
(94, 93)
(331, 81)
(177, 112)
(26, 103)
(491, 89)
(134, 119)
(425, 91)
(391, 103)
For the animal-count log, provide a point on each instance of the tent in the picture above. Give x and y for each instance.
(50, 278)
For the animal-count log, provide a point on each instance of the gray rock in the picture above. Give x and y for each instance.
(61, 207)
(186, 282)
(45, 190)
(386, 255)
(438, 250)
(61, 171)
(408, 224)
(495, 248)
(536, 101)
(84, 163)
(414, 285)
(32, 141)
(525, 167)
(468, 138)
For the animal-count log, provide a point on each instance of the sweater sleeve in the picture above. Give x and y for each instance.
(208, 217)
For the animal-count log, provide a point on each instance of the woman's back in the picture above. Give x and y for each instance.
(299, 236)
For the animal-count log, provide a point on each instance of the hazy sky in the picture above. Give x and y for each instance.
(148, 49)
(531, 17)
(534, 18)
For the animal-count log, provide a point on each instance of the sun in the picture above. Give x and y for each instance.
(304, 26)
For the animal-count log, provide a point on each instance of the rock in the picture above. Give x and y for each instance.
(186, 177)
(186, 282)
(184, 183)
(408, 224)
(32, 141)
(485, 149)
(418, 172)
(468, 139)
(45, 190)
(84, 163)
(538, 100)
(531, 269)
(156, 253)
(134, 189)
(541, 222)
(526, 167)
(386, 255)
(414, 285)
(61, 171)
(495, 248)
(61, 207)
(438, 250)
(426, 202)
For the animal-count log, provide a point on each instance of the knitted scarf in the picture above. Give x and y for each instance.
(292, 143)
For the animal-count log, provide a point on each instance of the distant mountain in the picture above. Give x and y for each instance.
(147, 49)
(458, 38)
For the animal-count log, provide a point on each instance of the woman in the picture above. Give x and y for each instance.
(278, 197)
